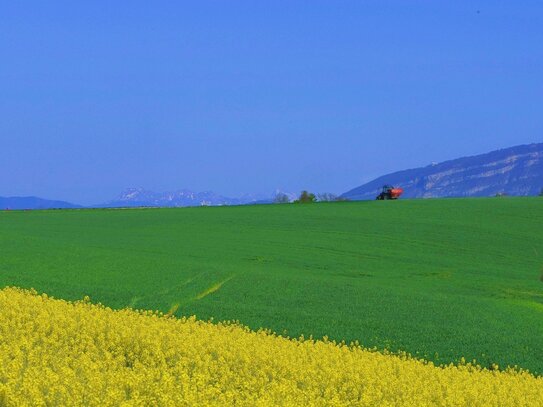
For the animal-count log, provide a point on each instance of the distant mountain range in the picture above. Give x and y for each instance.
(511, 171)
(135, 197)
(139, 197)
(32, 202)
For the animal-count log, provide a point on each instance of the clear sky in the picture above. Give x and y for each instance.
(247, 97)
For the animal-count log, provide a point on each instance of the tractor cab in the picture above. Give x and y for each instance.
(387, 188)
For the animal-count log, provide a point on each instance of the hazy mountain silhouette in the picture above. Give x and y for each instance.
(32, 202)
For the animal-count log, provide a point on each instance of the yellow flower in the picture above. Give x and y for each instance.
(55, 352)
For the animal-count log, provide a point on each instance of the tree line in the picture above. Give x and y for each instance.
(309, 197)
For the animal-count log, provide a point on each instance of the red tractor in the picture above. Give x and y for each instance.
(389, 192)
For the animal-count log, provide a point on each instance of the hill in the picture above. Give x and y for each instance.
(32, 202)
(512, 171)
(442, 279)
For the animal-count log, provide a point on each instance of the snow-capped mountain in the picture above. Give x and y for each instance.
(141, 197)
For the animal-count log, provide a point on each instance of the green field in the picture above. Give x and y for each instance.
(438, 278)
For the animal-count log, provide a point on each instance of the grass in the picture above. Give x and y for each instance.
(440, 279)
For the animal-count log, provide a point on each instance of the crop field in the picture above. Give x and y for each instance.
(57, 353)
(440, 279)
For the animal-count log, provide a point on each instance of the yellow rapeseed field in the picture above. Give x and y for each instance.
(58, 353)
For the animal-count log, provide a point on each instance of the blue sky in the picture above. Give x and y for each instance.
(247, 97)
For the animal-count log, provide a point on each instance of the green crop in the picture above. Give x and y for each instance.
(440, 279)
